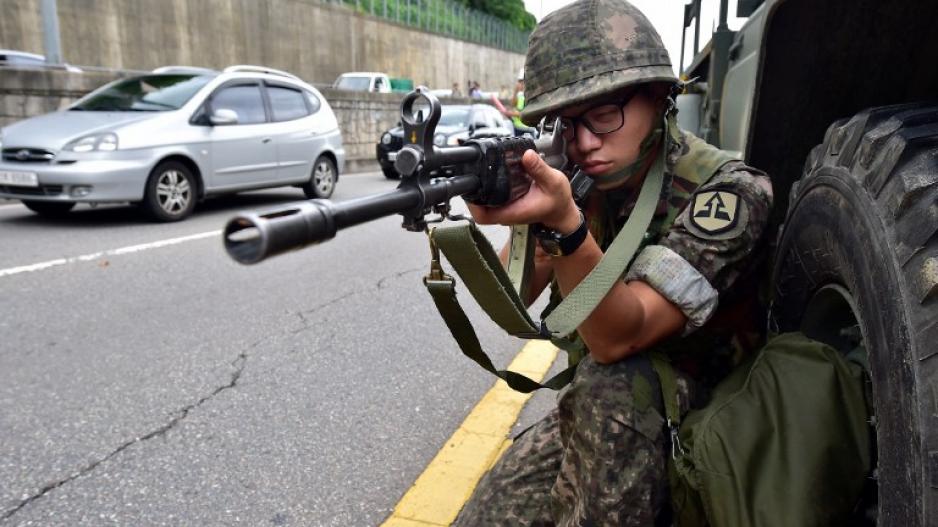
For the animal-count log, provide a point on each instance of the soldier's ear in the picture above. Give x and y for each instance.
(659, 93)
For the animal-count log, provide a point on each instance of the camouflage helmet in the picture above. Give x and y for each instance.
(588, 49)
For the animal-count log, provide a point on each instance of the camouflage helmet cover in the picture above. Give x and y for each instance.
(588, 49)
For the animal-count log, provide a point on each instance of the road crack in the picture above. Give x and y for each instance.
(381, 283)
(307, 324)
(238, 363)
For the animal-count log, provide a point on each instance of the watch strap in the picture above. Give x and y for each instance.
(557, 244)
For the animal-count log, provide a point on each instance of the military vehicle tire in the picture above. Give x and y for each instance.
(858, 257)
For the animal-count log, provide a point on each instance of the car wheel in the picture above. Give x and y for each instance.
(390, 173)
(170, 193)
(322, 182)
(857, 268)
(49, 209)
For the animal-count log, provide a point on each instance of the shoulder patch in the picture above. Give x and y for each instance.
(715, 211)
(716, 214)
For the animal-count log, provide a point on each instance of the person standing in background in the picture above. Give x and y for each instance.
(517, 104)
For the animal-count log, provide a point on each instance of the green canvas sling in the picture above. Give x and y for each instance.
(500, 292)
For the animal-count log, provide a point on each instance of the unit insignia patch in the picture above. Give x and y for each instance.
(715, 212)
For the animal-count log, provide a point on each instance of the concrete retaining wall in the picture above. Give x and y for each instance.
(313, 40)
(362, 116)
(30, 92)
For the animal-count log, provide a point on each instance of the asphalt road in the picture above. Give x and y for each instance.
(146, 383)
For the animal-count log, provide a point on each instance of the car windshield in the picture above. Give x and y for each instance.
(149, 93)
(354, 83)
(454, 116)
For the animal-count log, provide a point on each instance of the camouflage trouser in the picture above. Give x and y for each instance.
(598, 459)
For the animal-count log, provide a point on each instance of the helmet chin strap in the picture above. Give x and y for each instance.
(666, 128)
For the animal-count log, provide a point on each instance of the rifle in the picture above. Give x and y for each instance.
(485, 171)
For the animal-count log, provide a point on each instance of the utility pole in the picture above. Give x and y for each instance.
(722, 24)
(720, 44)
(696, 27)
(50, 32)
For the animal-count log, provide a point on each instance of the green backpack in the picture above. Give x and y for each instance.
(784, 441)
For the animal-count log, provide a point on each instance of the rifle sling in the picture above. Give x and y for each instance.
(444, 296)
(478, 265)
(520, 263)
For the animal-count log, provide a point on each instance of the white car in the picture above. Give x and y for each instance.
(167, 139)
(24, 59)
(363, 81)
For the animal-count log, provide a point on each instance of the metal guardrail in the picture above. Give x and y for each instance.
(445, 18)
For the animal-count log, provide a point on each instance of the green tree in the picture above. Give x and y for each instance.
(511, 11)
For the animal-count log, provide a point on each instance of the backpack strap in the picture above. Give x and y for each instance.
(669, 395)
(701, 161)
(684, 509)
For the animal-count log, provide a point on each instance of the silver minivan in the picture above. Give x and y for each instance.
(167, 139)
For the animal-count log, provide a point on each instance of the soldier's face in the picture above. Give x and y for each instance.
(603, 154)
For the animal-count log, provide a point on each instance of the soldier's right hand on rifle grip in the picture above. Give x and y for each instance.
(549, 201)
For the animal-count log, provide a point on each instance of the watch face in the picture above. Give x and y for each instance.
(551, 246)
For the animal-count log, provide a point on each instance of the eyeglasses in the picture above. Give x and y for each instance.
(600, 120)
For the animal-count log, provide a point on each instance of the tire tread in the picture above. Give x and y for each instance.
(890, 153)
(890, 146)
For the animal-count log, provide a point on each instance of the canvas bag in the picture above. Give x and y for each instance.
(784, 441)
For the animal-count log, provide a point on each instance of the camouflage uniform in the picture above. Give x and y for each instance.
(600, 458)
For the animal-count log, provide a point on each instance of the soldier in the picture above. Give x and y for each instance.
(600, 458)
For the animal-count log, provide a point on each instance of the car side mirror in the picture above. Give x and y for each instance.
(223, 116)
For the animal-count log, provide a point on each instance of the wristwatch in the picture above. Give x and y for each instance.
(557, 244)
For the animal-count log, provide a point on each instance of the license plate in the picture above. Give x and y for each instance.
(19, 179)
(392, 156)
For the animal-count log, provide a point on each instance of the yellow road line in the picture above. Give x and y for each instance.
(446, 484)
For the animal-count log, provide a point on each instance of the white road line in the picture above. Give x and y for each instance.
(11, 205)
(113, 252)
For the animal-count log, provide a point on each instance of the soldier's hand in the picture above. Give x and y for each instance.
(549, 201)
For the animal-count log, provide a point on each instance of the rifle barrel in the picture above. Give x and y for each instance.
(253, 236)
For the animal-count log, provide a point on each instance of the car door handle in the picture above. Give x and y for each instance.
(265, 140)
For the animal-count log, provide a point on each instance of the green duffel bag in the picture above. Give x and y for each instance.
(784, 441)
